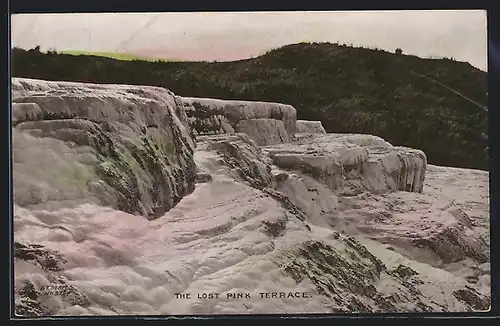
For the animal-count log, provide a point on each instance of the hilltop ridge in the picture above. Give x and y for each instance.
(348, 89)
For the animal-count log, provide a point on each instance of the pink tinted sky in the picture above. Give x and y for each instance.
(232, 36)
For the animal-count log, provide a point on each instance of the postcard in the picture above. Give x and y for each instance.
(237, 163)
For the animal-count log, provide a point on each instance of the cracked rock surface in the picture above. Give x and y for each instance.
(119, 205)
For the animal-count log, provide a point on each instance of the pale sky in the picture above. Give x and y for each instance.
(232, 36)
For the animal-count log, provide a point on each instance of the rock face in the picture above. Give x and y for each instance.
(241, 155)
(352, 163)
(309, 127)
(263, 131)
(260, 120)
(128, 147)
(305, 223)
(36, 299)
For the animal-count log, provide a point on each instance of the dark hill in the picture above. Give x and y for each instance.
(436, 105)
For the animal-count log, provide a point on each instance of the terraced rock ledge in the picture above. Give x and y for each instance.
(125, 196)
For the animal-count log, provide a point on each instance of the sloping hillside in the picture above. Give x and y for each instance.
(434, 105)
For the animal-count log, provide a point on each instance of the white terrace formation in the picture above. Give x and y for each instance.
(126, 195)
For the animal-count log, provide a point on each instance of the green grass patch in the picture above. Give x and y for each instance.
(114, 55)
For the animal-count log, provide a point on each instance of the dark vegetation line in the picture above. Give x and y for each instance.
(348, 89)
(479, 105)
